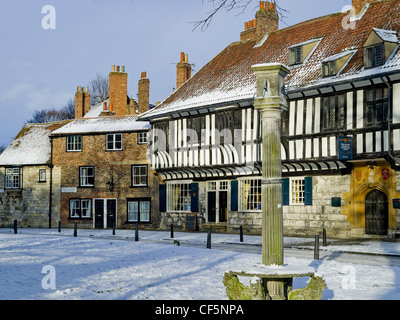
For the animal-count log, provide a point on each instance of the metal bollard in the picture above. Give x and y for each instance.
(316, 247)
(75, 228)
(113, 229)
(15, 226)
(209, 239)
(59, 226)
(324, 243)
(241, 233)
(137, 232)
(172, 231)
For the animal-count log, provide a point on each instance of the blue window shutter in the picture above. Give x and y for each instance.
(308, 185)
(235, 195)
(194, 190)
(285, 191)
(163, 197)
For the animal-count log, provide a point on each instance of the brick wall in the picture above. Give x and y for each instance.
(108, 165)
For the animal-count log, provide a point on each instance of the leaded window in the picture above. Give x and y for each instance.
(334, 109)
(377, 104)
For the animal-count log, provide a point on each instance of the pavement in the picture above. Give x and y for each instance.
(224, 241)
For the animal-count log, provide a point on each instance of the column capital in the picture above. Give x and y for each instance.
(270, 86)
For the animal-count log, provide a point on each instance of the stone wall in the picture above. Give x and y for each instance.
(30, 205)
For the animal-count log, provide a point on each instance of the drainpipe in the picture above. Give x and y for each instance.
(51, 181)
(389, 115)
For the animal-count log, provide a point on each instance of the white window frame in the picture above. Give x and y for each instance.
(74, 143)
(142, 137)
(140, 176)
(250, 195)
(140, 213)
(42, 175)
(111, 139)
(179, 197)
(297, 191)
(84, 178)
(83, 205)
(13, 178)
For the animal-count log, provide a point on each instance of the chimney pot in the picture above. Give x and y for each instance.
(273, 7)
(267, 6)
(78, 89)
(144, 75)
(262, 5)
(113, 68)
(186, 58)
(117, 68)
(182, 56)
(105, 106)
(246, 26)
(250, 24)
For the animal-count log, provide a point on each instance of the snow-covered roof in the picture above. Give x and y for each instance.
(228, 77)
(386, 35)
(103, 124)
(31, 146)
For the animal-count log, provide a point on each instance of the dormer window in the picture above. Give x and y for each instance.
(333, 65)
(299, 53)
(379, 47)
(296, 55)
(374, 56)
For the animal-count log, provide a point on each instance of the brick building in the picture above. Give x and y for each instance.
(102, 157)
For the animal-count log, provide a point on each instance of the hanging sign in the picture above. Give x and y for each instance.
(345, 148)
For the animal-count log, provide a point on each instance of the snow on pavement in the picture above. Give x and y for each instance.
(108, 268)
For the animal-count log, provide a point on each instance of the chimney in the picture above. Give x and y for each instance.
(144, 93)
(118, 90)
(82, 102)
(267, 21)
(359, 5)
(183, 70)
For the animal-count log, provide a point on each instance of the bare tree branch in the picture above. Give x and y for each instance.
(230, 5)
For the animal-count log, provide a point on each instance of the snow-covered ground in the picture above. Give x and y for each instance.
(99, 266)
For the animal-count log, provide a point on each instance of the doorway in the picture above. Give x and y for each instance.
(105, 213)
(217, 201)
(376, 213)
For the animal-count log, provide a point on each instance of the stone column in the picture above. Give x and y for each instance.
(270, 102)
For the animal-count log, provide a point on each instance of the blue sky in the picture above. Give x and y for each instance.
(41, 68)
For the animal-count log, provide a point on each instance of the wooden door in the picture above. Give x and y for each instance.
(111, 212)
(212, 206)
(99, 214)
(376, 213)
(223, 206)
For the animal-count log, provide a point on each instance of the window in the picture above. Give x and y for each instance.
(227, 124)
(297, 191)
(139, 175)
(138, 210)
(377, 104)
(142, 138)
(296, 55)
(114, 142)
(334, 112)
(86, 176)
(329, 68)
(80, 208)
(42, 175)
(178, 197)
(250, 194)
(374, 56)
(74, 143)
(13, 178)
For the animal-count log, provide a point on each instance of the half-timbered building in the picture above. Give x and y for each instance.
(340, 134)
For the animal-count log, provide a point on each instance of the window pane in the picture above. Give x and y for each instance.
(85, 208)
(145, 211)
(178, 197)
(133, 210)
